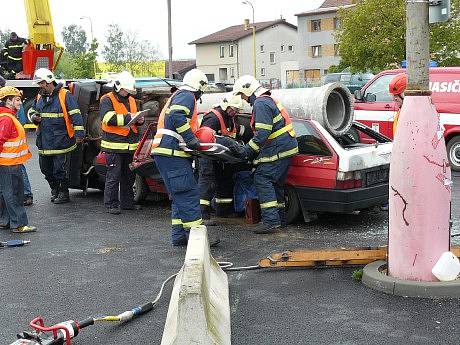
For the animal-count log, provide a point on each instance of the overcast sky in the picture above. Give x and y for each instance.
(190, 19)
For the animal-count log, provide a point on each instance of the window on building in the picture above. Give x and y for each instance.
(282, 48)
(337, 23)
(316, 25)
(272, 58)
(230, 50)
(232, 72)
(291, 48)
(262, 72)
(223, 74)
(316, 51)
(210, 77)
(222, 51)
(336, 49)
(261, 48)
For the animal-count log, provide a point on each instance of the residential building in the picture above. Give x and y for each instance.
(227, 54)
(317, 45)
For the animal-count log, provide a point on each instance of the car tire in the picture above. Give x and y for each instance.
(453, 153)
(140, 189)
(293, 210)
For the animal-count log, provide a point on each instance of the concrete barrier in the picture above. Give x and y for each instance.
(199, 310)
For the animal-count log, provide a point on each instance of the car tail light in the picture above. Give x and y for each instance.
(349, 180)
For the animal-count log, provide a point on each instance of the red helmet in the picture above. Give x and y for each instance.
(205, 135)
(398, 84)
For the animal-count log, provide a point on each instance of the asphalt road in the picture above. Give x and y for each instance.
(83, 262)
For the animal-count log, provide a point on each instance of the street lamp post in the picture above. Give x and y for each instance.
(170, 47)
(92, 38)
(253, 27)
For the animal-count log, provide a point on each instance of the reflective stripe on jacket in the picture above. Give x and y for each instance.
(115, 115)
(175, 124)
(274, 136)
(61, 122)
(15, 151)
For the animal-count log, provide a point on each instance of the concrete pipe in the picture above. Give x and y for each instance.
(331, 105)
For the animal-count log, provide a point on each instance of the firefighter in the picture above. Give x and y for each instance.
(397, 87)
(14, 152)
(177, 125)
(271, 149)
(60, 129)
(13, 52)
(216, 178)
(119, 142)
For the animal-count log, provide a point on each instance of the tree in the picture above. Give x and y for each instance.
(74, 39)
(372, 36)
(4, 36)
(124, 51)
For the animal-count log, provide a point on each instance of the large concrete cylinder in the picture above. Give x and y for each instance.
(331, 105)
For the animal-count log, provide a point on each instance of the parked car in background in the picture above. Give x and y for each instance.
(352, 81)
(338, 175)
(374, 106)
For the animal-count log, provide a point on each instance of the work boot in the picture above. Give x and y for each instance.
(209, 222)
(262, 228)
(4, 226)
(63, 196)
(113, 210)
(54, 191)
(24, 229)
(28, 200)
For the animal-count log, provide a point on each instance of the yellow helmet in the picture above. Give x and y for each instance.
(9, 91)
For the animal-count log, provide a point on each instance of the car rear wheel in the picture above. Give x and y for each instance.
(293, 211)
(453, 153)
(140, 189)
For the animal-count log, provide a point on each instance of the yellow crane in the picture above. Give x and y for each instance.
(40, 52)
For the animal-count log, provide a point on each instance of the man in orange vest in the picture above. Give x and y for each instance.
(60, 128)
(14, 152)
(271, 149)
(397, 87)
(119, 141)
(177, 126)
(216, 178)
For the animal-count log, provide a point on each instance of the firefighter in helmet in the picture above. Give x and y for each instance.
(60, 128)
(397, 87)
(271, 149)
(177, 125)
(216, 178)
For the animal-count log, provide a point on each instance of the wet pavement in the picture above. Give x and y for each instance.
(83, 262)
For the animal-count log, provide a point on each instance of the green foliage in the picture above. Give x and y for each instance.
(124, 51)
(337, 68)
(74, 39)
(372, 36)
(4, 36)
(357, 275)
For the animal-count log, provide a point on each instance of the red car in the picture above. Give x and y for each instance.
(338, 175)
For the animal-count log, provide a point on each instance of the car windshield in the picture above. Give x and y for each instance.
(359, 136)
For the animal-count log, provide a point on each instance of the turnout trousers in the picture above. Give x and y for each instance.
(178, 177)
(269, 179)
(216, 181)
(119, 180)
(12, 209)
(56, 169)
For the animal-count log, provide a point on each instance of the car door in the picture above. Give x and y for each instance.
(377, 109)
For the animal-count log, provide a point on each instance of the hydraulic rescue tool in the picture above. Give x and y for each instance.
(13, 243)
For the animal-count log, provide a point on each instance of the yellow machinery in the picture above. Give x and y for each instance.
(40, 52)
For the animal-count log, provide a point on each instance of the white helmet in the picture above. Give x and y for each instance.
(44, 74)
(248, 85)
(126, 81)
(194, 80)
(234, 101)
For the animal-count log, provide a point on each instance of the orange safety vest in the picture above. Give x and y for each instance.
(286, 117)
(15, 151)
(68, 123)
(120, 109)
(161, 124)
(395, 121)
(223, 127)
